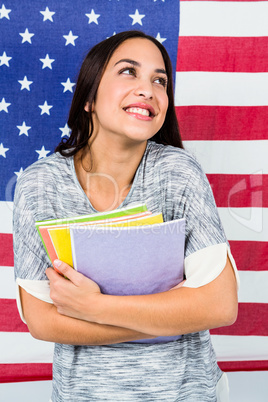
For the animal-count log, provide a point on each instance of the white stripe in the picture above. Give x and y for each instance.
(212, 18)
(32, 391)
(221, 88)
(20, 347)
(233, 348)
(6, 212)
(7, 283)
(231, 157)
(246, 224)
(253, 287)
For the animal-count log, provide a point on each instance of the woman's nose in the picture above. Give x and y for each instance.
(144, 89)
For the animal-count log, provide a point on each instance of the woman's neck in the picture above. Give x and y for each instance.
(106, 171)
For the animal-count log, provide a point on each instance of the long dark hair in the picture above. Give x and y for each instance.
(92, 69)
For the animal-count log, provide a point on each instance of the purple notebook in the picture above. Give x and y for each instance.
(131, 260)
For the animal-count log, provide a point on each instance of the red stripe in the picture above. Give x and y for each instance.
(25, 372)
(248, 313)
(223, 122)
(239, 191)
(9, 317)
(250, 255)
(43, 371)
(252, 365)
(251, 320)
(6, 250)
(228, 54)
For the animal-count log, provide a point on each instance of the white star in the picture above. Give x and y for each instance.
(42, 152)
(45, 108)
(4, 105)
(92, 17)
(24, 129)
(47, 15)
(26, 36)
(47, 62)
(68, 85)
(4, 12)
(70, 38)
(19, 172)
(137, 17)
(25, 84)
(3, 150)
(158, 37)
(65, 131)
(4, 59)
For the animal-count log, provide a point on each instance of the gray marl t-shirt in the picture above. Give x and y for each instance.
(168, 180)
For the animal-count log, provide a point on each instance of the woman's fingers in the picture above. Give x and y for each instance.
(64, 269)
(74, 295)
(78, 279)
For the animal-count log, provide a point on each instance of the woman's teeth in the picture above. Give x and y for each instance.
(138, 110)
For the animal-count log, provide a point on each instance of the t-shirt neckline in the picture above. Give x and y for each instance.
(127, 199)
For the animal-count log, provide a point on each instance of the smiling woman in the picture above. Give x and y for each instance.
(88, 83)
(125, 148)
(131, 102)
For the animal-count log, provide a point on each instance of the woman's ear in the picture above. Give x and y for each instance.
(87, 107)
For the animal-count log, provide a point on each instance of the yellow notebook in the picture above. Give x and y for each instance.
(61, 239)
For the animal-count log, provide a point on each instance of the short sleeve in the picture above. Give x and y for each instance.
(203, 224)
(30, 259)
(206, 245)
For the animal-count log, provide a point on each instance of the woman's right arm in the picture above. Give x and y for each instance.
(45, 323)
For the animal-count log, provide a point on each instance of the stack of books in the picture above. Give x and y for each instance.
(128, 251)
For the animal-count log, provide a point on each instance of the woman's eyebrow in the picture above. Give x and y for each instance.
(133, 62)
(161, 71)
(137, 64)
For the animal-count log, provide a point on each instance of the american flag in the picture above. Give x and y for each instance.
(42, 45)
(221, 101)
(221, 69)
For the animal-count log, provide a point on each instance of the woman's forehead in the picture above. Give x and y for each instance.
(138, 49)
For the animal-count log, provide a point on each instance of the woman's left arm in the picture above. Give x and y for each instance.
(179, 311)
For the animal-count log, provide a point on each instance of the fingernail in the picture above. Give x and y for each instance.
(57, 263)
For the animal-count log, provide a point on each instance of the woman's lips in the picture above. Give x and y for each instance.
(135, 112)
(141, 111)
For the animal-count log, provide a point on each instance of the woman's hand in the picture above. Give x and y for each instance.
(76, 296)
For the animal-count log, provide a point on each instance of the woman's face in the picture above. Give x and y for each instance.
(132, 99)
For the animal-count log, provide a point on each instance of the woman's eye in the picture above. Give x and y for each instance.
(162, 81)
(128, 71)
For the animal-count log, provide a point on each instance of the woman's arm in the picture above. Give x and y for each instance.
(179, 311)
(45, 323)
